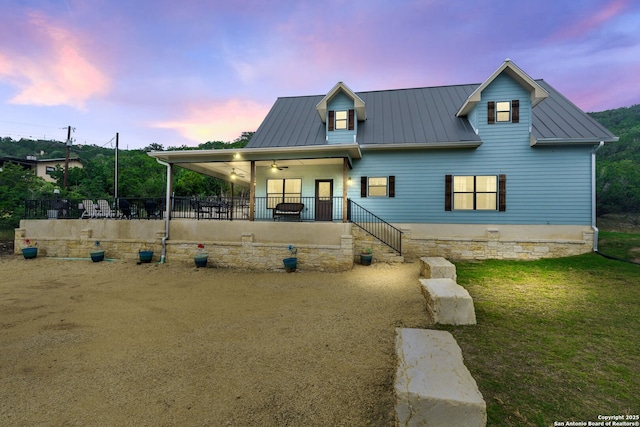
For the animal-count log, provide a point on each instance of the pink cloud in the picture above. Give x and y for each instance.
(62, 75)
(592, 21)
(224, 121)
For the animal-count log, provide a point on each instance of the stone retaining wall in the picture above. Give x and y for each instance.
(253, 246)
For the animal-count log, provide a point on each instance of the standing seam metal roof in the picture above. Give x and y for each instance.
(417, 116)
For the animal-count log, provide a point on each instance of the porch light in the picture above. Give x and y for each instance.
(233, 173)
(349, 182)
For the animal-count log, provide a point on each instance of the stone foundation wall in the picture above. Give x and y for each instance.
(533, 243)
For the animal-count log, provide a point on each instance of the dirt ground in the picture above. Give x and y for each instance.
(116, 343)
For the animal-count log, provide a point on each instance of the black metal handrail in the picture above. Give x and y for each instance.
(375, 226)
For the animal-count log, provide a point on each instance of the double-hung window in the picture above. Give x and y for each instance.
(378, 186)
(287, 190)
(341, 120)
(475, 192)
(503, 112)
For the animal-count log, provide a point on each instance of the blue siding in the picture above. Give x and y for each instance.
(545, 185)
(341, 102)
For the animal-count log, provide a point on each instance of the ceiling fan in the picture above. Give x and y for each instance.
(235, 175)
(274, 166)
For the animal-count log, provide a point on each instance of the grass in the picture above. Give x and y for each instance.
(556, 339)
(620, 245)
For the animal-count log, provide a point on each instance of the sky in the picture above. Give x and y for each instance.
(181, 73)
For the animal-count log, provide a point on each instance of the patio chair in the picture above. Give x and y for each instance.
(105, 209)
(125, 208)
(199, 209)
(152, 208)
(90, 210)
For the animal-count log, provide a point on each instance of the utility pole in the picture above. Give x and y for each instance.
(116, 180)
(66, 159)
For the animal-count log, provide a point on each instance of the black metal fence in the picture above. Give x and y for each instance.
(200, 208)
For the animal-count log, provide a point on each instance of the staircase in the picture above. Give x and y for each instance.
(386, 233)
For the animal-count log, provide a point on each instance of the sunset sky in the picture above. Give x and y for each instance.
(188, 72)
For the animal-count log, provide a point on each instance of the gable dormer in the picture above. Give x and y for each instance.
(507, 96)
(341, 110)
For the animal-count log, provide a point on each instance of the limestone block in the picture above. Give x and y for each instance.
(432, 385)
(437, 268)
(448, 302)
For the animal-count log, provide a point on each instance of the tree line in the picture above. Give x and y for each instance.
(139, 175)
(618, 163)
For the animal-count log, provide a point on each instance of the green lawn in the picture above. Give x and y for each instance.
(556, 340)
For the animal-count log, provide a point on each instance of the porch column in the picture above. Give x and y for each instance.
(252, 191)
(345, 178)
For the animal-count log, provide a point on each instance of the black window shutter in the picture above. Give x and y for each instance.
(351, 119)
(363, 186)
(491, 112)
(392, 186)
(332, 115)
(502, 193)
(515, 111)
(447, 192)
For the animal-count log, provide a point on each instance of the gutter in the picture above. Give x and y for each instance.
(593, 196)
(167, 206)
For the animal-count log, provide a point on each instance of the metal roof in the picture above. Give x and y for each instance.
(421, 117)
(557, 121)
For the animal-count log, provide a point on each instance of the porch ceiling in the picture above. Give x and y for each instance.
(221, 163)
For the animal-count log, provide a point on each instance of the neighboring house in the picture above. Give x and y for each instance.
(42, 167)
(501, 169)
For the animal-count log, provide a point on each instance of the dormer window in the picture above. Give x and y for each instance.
(503, 112)
(341, 120)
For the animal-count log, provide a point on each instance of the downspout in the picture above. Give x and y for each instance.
(593, 196)
(167, 204)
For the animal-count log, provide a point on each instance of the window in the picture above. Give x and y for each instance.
(475, 192)
(283, 191)
(341, 120)
(379, 186)
(503, 112)
(49, 169)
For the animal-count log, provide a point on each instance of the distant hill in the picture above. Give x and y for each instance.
(618, 163)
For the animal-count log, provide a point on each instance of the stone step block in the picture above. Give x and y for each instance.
(437, 268)
(432, 385)
(447, 302)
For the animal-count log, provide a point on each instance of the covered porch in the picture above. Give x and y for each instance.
(315, 177)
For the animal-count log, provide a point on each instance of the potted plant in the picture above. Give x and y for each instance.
(366, 256)
(29, 249)
(97, 254)
(291, 263)
(145, 254)
(201, 256)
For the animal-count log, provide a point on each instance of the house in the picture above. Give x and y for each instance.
(501, 169)
(42, 167)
